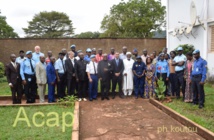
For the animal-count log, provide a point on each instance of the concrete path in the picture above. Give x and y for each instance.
(129, 119)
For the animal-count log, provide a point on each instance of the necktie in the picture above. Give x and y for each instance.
(94, 69)
(63, 65)
(31, 66)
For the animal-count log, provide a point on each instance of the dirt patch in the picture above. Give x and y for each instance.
(129, 119)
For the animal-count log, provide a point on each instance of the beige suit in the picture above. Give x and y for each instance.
(41, 80)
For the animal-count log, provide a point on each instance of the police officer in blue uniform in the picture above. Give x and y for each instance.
(198, 77)
(27, 71)
(88, 54)
(139, 68)
(162, 71)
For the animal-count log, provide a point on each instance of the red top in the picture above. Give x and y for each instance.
(98, 58)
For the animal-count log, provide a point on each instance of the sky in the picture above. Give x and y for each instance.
(86, 15)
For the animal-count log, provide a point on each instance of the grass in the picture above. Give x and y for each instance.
(23, 132)
(205, 116)
(5, 89)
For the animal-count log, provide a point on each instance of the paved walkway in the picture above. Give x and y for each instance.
(129, 119)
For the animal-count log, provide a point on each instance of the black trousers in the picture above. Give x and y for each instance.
(198, 90)
(61, 85)
(164, 76)
(172, 78)
(16, 92)
(180, 82)
(71, 86)
(117, 80)
(30, 88)
(105, 86)
(82, 89)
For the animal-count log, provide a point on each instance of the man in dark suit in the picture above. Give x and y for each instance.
(14, 79)
(81, 77)
(117, 68)
(104, 74)
(70, 73)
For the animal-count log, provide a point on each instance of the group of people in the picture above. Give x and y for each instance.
(80, 73)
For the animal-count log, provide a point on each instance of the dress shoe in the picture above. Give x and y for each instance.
(102, 98)
(113, 97)
(107, 98)
(122, 96)
(200, 106)
(29, 102)
(91, 100)
(94, 98)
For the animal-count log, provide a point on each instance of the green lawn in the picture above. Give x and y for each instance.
(5, 89)
(205, 116)
(23, 132)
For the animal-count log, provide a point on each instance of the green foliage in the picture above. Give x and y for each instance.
(67, 101)
(49, 25)
(88, 35)
(2, 70)
(161, 87)
(135, 18)
(6, 31)
(186, 48)
(3, 79)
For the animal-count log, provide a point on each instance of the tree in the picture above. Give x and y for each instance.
(6, 31)
(49, 25)
(88, 35)
(135, 18)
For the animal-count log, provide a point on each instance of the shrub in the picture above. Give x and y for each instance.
(2, 70)
(159, 90)
(186, 48)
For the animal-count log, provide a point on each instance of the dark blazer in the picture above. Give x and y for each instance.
(13, 74)
(70, 68)
(105, 75)
(115, 68)
(80, 70)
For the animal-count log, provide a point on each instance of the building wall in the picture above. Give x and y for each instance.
(179, 10)
(8, 46)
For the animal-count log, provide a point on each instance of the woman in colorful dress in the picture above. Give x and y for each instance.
(150, 78)
(188, 90)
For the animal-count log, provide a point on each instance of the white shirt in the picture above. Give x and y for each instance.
(90, 67)
(180, 58)
(14, 64)
(77, 58)
(59, 67)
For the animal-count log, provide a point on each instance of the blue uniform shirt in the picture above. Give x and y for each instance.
(162, 67)
(139, 68)
(59, 67)
(36, 56)
(26, 68)
(180, 58)
(20, 60)
(87, 58)
(199, 67)
(51, 74)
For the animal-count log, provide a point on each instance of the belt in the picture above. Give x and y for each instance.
(61, 73)
(93, 74)
(180, 71)
(29, 74)
(196, 76)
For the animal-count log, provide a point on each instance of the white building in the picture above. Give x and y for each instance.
(186, 13)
